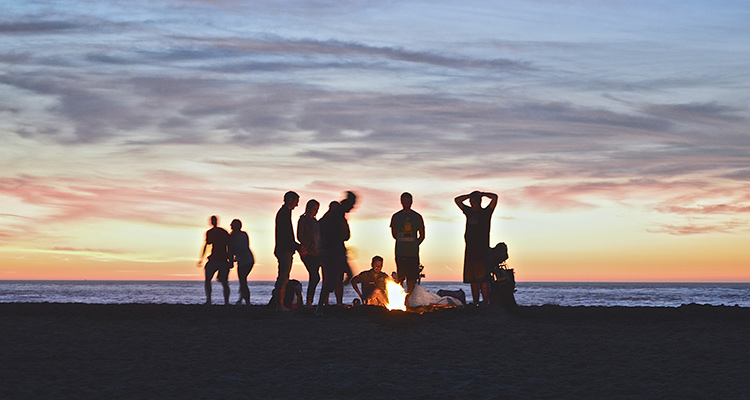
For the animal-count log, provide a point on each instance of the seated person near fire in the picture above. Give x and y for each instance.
(373, 284)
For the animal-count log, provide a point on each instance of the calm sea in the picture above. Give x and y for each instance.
(528, 293)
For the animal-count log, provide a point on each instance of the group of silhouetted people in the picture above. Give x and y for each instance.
(321, 246)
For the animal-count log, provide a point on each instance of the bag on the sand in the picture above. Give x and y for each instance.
(420, 297)
(458, 294)
(292, 295)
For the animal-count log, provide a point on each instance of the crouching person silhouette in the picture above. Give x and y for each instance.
(373, 284)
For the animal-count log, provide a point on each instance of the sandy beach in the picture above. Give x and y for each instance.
(548, 352)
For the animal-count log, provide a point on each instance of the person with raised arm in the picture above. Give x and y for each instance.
(477, 238)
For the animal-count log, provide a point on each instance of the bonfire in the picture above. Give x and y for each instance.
(396, 295)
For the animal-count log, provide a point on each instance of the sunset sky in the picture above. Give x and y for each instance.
(614, 132)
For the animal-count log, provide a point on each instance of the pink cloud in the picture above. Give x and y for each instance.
(696, 229)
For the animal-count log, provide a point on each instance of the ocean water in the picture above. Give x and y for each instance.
(527, 293)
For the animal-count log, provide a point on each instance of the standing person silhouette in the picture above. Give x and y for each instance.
(334, 231)
(218, 261)
(239, 250)
(285, 246)
(308, 234)
(407, 227)
(477, 238)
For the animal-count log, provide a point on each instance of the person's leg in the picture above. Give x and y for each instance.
(246, 288)
(242, 278)
(312, 264)
(285, 266)
(224, 279)
(242, 272)
(411, 265)
(339, 290)
(484, 287)
(209, 271)
(329, 276)
(410, 284)
(378, 298)
(475, 293)
(400, 270)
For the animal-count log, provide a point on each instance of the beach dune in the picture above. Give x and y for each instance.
(185, 351)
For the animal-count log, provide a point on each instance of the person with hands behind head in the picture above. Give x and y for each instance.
(477, 238)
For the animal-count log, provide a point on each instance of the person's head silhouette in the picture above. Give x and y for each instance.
(406, 201)
(291, 199)
(311, 208)
(475, 199)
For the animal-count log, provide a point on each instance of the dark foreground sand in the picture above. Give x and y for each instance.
(61, 351)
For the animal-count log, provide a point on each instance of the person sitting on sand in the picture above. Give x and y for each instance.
(218, 261)
(373, 284)
(239, 248)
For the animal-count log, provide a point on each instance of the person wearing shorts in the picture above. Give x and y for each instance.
(218, 260)
(407, 228)
(285, 246)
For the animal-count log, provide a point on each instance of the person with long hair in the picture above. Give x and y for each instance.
(239, 250)
(308, 234)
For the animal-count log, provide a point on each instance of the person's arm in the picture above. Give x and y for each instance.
(303, 234)
(203, 252)
(348, 203)
(493, 199)
(460, 200)
(420, 233)
(300, 230)
(355, 281)
(393, 229)
(231, 250)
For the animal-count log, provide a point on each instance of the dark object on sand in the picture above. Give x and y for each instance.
(292, 295)
(503, 282)
(457, 294)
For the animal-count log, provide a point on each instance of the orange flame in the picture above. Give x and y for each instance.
(396, 295)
